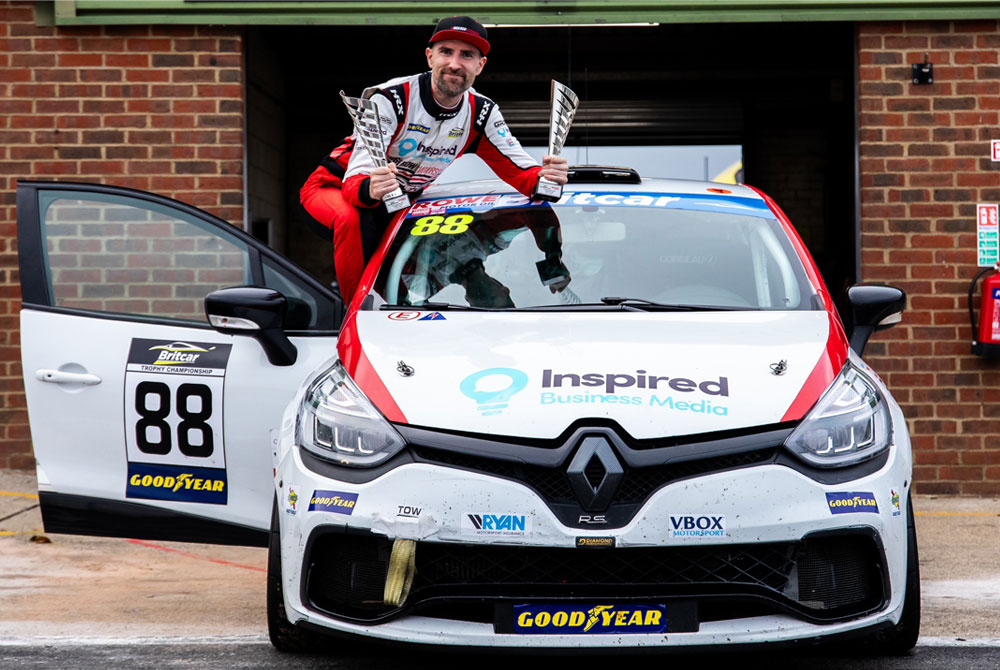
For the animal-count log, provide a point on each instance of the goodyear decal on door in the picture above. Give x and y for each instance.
(177, 483)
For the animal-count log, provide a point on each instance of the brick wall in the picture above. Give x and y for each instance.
(149, 107)
(924, 166)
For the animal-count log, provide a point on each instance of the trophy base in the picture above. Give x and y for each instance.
(548, 191)
(395, 201)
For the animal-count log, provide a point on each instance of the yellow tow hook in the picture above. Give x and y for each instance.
(402, 566)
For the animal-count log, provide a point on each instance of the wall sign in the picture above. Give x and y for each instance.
(987, 227)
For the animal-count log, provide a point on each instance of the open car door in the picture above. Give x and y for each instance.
(147, 422)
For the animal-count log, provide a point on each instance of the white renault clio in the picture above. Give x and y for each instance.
(631, 418)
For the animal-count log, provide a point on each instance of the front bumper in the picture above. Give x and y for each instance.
(768, 530)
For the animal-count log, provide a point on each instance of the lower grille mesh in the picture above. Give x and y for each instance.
(826, 578)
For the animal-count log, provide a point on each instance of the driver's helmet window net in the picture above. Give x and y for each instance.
(117, 254)
(540, 255)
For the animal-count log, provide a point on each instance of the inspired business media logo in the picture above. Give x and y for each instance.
(851, 501)
(337, 502)
(493, 388)
(591, 619)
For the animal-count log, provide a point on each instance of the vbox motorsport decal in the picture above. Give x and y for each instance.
(173, 421)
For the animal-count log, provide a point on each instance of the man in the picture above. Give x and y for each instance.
(428, 121)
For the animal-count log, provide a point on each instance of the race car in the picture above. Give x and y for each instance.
(631, 418)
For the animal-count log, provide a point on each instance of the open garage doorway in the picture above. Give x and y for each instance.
(781, 96)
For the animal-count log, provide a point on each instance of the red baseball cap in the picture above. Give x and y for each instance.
(464, 28)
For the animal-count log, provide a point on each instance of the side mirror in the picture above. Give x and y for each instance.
(256, 312)
(873, 307)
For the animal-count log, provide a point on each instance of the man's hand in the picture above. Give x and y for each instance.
(555, 168)
(381, 181)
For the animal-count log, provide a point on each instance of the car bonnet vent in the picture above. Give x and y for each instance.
(602, 174)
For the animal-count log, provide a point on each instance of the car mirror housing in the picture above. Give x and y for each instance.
(874, 307)
(255, 312)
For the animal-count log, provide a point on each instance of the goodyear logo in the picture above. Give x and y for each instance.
(595, 542)
(589, 619)
(417, 128)
(333, 501)
(851, 501)
(176, 483)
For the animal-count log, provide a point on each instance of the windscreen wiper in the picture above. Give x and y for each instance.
(653, 306)
(444, 306)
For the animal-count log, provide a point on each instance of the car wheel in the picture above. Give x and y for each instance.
(902, 637)
(284, 635)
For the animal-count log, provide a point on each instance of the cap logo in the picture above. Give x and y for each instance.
(459, 28)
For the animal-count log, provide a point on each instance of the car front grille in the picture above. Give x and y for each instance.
(821, 578)
(553, 485)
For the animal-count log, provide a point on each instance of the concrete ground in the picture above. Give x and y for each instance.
(63, 585)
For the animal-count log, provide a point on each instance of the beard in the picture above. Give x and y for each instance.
(450, 88)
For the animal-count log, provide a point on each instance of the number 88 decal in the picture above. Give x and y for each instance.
(452, 225)
(192, 422)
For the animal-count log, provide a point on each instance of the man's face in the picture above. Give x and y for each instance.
(454, 66)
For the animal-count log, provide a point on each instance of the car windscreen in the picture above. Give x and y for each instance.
(502, 251)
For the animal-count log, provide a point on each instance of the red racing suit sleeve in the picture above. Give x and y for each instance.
(496, 145)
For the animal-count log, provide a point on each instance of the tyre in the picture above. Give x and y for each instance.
(284, 635)
(902, 637)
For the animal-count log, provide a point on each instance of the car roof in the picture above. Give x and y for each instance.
(646, 185)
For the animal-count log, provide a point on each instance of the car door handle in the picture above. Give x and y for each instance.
(60, 377)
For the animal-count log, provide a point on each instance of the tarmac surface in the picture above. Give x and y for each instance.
(57, 588)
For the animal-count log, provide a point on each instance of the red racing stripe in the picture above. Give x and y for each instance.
(352, 355)
(832, 360)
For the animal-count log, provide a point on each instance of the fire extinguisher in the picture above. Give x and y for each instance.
(986, 338)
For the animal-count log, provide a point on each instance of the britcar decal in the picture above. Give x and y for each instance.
(177, 483)
(686, 201)
(433, 316)
(174, 393)
(337, 502)
(851, 501)
(559, 619)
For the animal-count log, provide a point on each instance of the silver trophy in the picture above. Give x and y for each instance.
(368, 128)
(564, 104)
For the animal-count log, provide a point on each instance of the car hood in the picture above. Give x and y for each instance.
(532, 374)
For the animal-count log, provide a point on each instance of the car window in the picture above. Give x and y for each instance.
(307, 309)
(113, 253)
(676, 250)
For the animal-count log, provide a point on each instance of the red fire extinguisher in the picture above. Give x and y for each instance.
(986, 338)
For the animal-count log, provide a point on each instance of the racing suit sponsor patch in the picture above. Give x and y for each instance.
(177, 483)
(418, 128)
(851, 501)
(337, 502)
(557, 619)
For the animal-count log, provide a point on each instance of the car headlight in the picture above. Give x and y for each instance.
(849, 424)
(337, 422)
